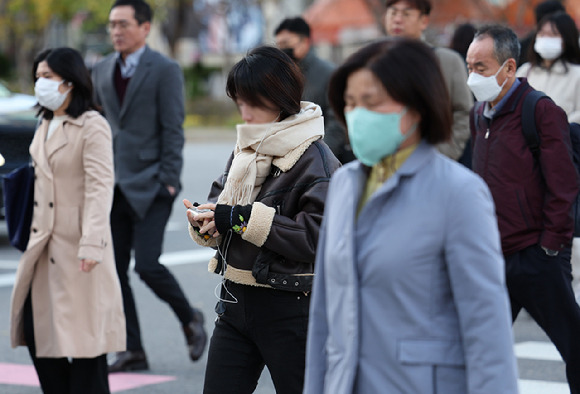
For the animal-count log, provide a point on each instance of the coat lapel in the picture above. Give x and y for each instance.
(38, 150)
(56, 141)
(109, 91)
(136, 80)
(422, 155)
(42, 149)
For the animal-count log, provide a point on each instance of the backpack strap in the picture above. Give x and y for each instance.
(529, 121)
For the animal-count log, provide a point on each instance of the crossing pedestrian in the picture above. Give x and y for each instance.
(533, 191)
(141, 92)
(66, 303)
(264, 218)
(410, 18)
(409, 290)
(293, 37)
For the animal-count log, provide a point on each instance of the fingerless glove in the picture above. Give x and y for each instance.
(232, 217)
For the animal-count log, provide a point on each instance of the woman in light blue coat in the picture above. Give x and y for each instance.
(409, 293)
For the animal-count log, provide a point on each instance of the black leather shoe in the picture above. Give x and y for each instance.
(195, 336)
(129, 360)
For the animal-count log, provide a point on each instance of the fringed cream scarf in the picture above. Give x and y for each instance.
(258, 144)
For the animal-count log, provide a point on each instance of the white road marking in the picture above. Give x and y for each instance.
(196, 256)
(177, 226)
(8, 264)
(7, 280)
(545, 351)
(542, 387)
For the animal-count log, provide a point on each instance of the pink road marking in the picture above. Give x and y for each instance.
(25, 375)
(126, 381)
(21, 375)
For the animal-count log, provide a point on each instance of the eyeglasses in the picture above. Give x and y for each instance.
(123, 25)
(406, 13)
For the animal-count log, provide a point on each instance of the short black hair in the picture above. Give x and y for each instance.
(547, 7)
(40, 57)
(143, 12)
(411, 75)
(424, 6)
(462, 38)
(70, 66)
(505, 42)
(565, 26)
(294, 25)
(267, 73)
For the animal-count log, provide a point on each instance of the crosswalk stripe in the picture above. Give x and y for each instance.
(7, 280)
(187, 257)
(177, 226)
(534, 350)
(196, 256)
(8, 264)
(541, 351)
(529, 350)
(542, 387)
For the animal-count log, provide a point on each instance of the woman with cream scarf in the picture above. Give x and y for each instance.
(265, 225)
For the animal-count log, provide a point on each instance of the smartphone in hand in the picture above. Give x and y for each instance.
(195, 211)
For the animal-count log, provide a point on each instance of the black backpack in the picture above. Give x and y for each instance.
(533, 141)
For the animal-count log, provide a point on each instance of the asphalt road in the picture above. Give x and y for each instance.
(540, 369)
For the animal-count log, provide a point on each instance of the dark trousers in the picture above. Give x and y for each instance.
(265, 327)
(145, 236)
(61, 376)
(541, 284)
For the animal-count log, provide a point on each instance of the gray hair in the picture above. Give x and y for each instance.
(505, 42)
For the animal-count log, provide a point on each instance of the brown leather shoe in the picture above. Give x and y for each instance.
(129, 360)
(195, 336)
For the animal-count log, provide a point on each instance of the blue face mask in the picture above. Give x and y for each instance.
(375, 135)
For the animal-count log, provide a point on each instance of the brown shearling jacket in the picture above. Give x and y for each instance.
(279, 247)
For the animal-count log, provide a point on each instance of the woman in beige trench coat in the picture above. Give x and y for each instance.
(66, 303)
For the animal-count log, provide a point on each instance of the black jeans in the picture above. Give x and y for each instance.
(145, 236)
(541, 284)
(61, 376)
(265, 327)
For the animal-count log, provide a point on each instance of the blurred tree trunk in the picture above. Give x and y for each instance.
(377, 8)
(174, 27)
(24, 43)
(25, 49)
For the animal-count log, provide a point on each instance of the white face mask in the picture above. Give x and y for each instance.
(485, 88)
(48, 95)
(548, 48)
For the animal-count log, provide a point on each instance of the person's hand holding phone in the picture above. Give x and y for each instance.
(202, 217)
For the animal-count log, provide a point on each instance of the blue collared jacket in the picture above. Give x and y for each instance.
(410, 297)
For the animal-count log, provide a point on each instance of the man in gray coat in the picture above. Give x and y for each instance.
(293, 37)
(141, 93)
(410, 18)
